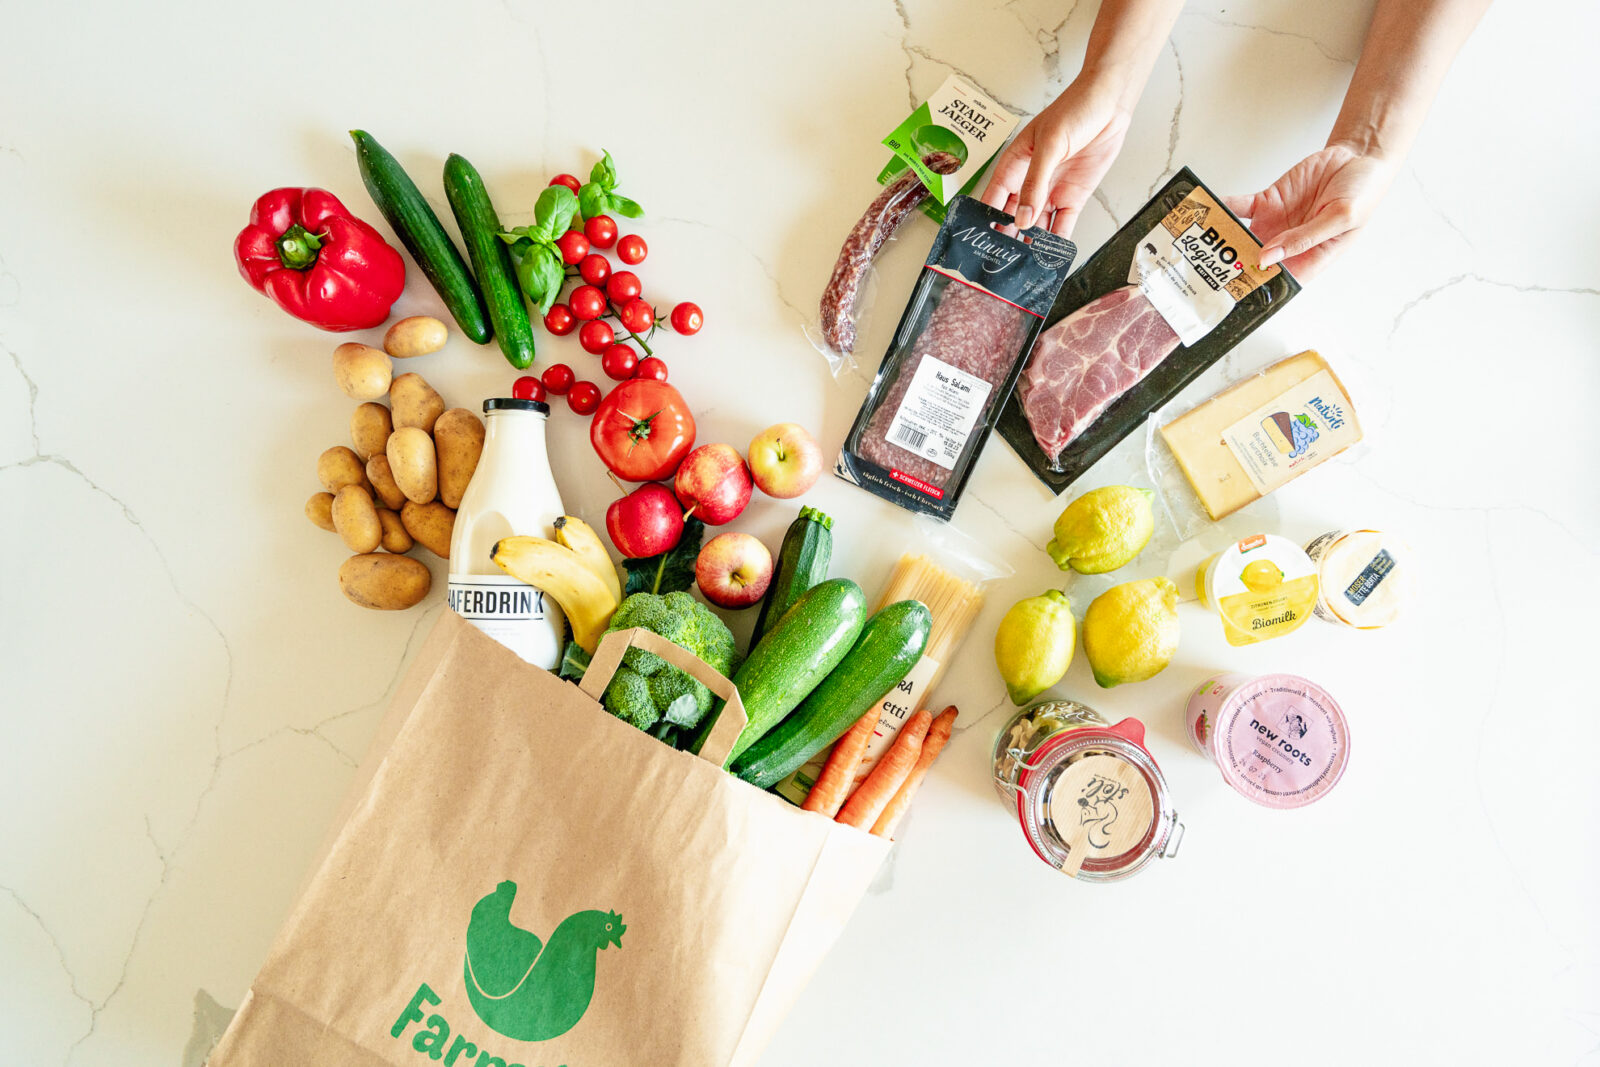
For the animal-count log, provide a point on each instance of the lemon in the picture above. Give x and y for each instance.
(1103, 529)
(1034, 644)
(1261, 575)
(1130, 631)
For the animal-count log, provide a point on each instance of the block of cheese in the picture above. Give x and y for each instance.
(1262, 432)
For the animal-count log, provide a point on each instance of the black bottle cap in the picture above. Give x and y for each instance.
(506, 403)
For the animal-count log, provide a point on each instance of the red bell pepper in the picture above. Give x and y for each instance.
(318, 262)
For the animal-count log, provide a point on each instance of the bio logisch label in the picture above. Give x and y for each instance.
(959, 120)
(519, 985)
(1196, 265)
(938, 412)
(507, 609)
(1301, 426)
(898, 705)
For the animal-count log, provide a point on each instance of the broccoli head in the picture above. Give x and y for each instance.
(645, 689)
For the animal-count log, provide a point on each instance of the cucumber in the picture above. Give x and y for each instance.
(807, 644)
(420, 231)
(889, 646)
(491, 260)
(802, 563)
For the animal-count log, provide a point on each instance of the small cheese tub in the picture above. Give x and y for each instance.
(1365, 577)
(1279, 740)
(1091, 800)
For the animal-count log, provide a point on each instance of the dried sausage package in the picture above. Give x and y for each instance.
(974, 314)
(1167, 296)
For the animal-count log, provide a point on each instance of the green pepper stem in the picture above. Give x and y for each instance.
(297, 248)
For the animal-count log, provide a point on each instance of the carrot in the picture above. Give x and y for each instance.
(932, 745)
(874, 794)
(833, 784)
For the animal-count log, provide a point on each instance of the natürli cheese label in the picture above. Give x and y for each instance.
(1300, 427)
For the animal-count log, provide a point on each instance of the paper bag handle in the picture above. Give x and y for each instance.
(608, 657)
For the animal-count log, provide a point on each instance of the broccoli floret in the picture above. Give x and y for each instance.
(628, 698)
(653, 687)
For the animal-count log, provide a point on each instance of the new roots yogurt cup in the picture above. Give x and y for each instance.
(1091, 800)
(1279, 739)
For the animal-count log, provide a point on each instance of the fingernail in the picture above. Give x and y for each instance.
(1024, 217)
(1269, 256)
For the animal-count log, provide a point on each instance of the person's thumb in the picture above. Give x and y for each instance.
(1331, 220)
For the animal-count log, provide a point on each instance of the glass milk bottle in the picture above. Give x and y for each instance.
(511, 492)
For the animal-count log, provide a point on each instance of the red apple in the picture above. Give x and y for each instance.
(733, 570)
(785, 460)
(646, 522)
(713, 483)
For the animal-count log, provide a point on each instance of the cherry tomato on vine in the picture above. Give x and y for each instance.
(652, 368)
(587, 302)
(637, 315)
(596, 336)
(623, 286)
(527, 387)
(632, 249)
(619, 362)
(595, 268)
(584, 398)
(601, 231)
(569, 180)
(687, 319)
(574, 246)
(560, 320)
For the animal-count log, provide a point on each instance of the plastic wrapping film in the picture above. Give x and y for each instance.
(1109, 356)
(975, 311)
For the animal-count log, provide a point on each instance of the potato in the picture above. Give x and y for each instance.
(381, 476)
(413, 463)
(319, 509)
(339, 467)
(431, 525)
(416, 335)
(458, 440)
(395, 538)
(415, 402)
(356, 520)
(370, 427)
(384, 582)
(363, 372)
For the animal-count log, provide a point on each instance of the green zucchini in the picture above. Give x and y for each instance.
(420, 231)
(491, 260)
(802, 563)
(807, 644)
(889, 646)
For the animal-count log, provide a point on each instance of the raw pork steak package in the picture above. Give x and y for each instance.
(1166, 297)
(977, 308)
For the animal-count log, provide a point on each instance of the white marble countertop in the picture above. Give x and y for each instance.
(186, 692)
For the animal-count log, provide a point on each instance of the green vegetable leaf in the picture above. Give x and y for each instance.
(592, 200)
(574, 661)
(669, 572)
(604, 173)
(552, 213)
(683, 711)
(547, 272)
(625, 207)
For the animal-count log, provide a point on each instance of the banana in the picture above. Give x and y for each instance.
(562, 574)
(581, 538)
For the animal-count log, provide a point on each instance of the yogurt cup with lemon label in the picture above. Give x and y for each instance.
(1279, 740)
(1262, 587)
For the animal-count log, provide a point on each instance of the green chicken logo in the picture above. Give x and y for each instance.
(525, 988)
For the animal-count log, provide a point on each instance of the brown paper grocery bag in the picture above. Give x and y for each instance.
(520, 878)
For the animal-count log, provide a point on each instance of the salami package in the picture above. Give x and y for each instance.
(975, 312)
(1169, 294)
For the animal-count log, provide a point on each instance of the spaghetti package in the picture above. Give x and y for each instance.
(973, 316)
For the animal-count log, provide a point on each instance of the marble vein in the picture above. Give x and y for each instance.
(61, 955)
(1471, 276)
(1306, 37)
(1173, 128)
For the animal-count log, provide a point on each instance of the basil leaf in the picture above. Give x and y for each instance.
(623, 206)
(669, 572)
(592, 200)
(552, 212)
(604, 173)
(548, 274)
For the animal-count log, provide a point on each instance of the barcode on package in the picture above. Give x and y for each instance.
(911, 438)
(938, 412)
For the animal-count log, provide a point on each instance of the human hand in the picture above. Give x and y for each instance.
(1308, 216)
(1052, 167)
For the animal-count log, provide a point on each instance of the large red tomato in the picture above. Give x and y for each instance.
(643, 430)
